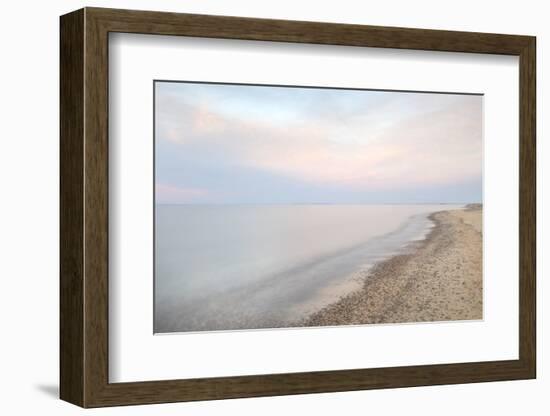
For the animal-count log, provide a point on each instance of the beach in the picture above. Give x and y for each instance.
(293, 206)
(436, 279)
(284, 263)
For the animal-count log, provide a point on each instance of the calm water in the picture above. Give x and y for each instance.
(235, 267)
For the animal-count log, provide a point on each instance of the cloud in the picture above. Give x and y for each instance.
(397, 141)
(170, 194)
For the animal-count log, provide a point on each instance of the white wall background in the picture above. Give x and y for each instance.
(29, 209)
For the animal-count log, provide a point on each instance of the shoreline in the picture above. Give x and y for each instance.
(438, 278)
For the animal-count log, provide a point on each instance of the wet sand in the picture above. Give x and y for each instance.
(437, 279)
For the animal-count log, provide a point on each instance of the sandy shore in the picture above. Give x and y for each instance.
(437, 279)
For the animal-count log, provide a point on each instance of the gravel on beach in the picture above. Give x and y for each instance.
(437, 279)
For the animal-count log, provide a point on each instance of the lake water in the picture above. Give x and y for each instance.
(247, 266)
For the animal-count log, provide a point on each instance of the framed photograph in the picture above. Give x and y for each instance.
(255, 207)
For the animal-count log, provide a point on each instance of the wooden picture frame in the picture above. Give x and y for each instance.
(84, 207)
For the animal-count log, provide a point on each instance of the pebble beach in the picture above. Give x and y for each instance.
(436, 279)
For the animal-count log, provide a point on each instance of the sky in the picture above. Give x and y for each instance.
(245, 144)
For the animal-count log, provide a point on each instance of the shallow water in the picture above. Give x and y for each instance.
(253, 266)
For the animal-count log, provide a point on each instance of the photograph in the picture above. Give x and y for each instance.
(292, 206)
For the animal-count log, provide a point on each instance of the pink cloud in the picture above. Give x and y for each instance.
(169, 194)
(440, 147)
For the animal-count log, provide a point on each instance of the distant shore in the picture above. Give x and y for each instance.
(436, 279)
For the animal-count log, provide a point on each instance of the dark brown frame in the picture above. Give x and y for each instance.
(84, 207)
